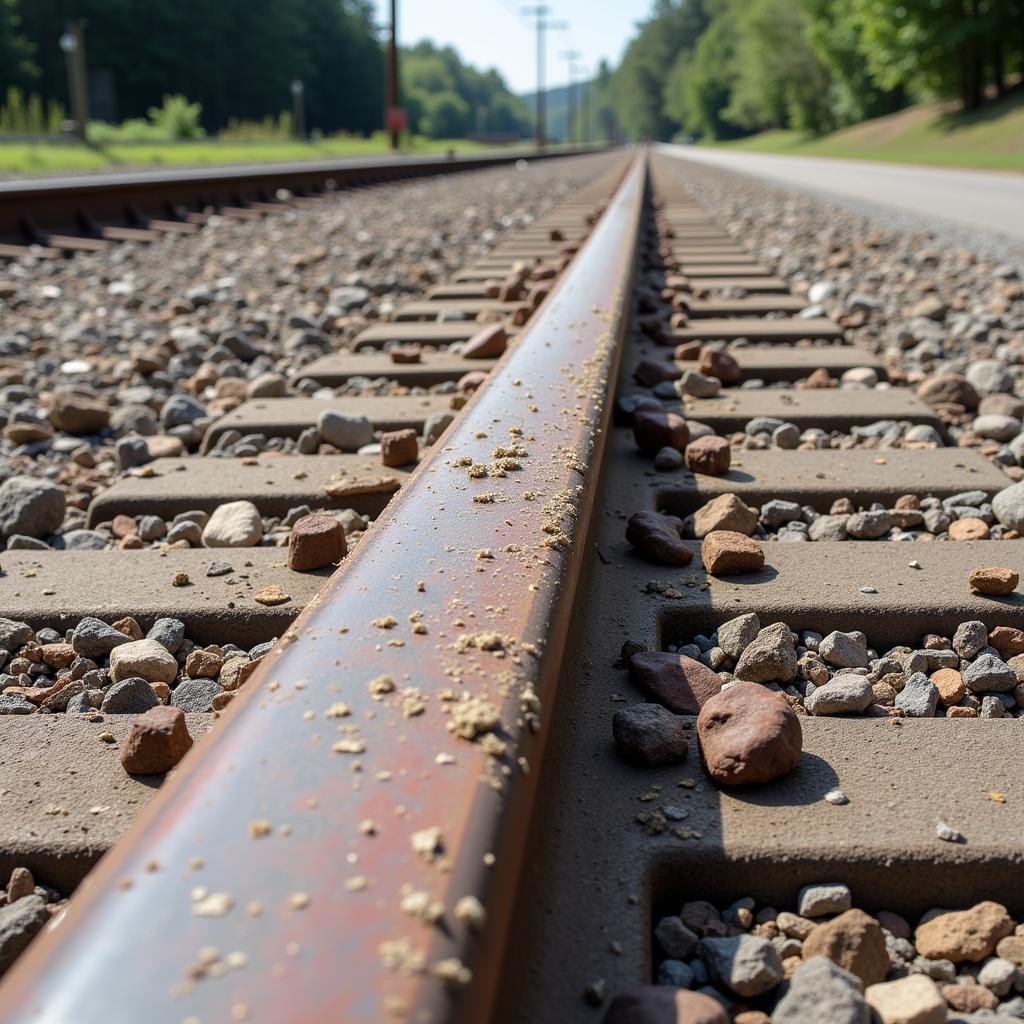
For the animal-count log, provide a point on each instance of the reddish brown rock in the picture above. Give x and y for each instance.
(726, 552)
(710, 455)
(511, 288)
(488, 343)
(993, 580)
(77, 413)
(158, 740)
(406, 354)
(659, 538)
(968, 997)
(716, 362)
(964, 934)
(663, 1004)
(655, 430)
(948, 389)
(855, 942)
(316, 541)
(1007, 640)
(678, 683)
(748, 734)
(819, 379)
(399, 447)
(123, 526)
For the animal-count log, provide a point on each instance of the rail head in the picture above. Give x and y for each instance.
(346, 848)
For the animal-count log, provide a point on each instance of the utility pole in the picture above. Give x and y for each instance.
(73, 45)
(395, 116)
(570, 127)
(540, 12)
(298, 108)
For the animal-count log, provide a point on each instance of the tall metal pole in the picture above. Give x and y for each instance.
(570, 128)
(540, 12)
(73, 45)
(298, 108)
(394, 127)
(585, 105)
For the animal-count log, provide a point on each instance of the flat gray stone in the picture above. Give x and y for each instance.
(841, 695)
(745, 964)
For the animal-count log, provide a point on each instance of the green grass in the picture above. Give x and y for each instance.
(991, 138)
(32, 159)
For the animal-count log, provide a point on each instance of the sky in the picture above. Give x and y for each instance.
(492, 33)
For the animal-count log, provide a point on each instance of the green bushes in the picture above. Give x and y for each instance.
(28, 116)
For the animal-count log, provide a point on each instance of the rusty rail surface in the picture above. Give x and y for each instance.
(32, 209)
(332, 853)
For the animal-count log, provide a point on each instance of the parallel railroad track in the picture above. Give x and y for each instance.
(414, 808)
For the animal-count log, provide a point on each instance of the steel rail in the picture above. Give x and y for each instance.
(276, 878)
(30, 209)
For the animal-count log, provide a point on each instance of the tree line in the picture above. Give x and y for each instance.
(725, 68)
(237, 60)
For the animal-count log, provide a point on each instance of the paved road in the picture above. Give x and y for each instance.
(983, 200)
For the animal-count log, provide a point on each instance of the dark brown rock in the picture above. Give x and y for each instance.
(78, 414)
(158, 740)
(726, 552)
(748, 734)
(711, 455)
(649, 372)
(716, 362)
(406, 354)
(655, 430)
(650, 734)
(855, 942)
(687, 351)
(659, 538)
(678, 683)
(663, 1004)
(488, 343)
(399, 447)
(316, 541)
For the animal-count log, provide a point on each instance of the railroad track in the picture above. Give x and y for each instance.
(443, 796)
(50, 217)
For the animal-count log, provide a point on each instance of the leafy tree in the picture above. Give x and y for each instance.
(16, 64)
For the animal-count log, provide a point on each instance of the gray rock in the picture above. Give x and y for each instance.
(675, 938)
(763, 425)
(969, 638)
(180, 410)
(675, 973)
(923, 433)
(831, 528)
(129, 697)
(996, 427)
(869, 525)
(841, 695)
(786, 437)
(93, 638)
(988, 674)
(30, 507)
(668, 459)
(769, 657)
(776, 513)
(437, 424)
(844, 650)
(186, 530)
(20, 923)
(735, 635)
(14, 634)
(168, 632)
(650, 733)
(1008, 506)
(822, 991)
(919, 697)
(992, 707)
(988, 376)
(936, 521)
(79, 704)
(344, 431)
(15, 704)
(745, 964)
(195, 694)
(697, 384)
(309, 441)
(85, 540)
(131, 451)
(937, 970)
(824, 898)
(151, 527)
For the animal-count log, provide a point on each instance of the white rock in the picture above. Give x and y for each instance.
(147, 659)
(236, 524)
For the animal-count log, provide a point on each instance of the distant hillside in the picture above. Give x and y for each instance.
(931, 133)
(556, 118)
